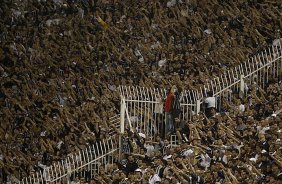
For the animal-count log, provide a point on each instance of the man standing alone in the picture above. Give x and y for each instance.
(168, 111)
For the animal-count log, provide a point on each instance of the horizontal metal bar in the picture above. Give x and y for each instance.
(255, 71)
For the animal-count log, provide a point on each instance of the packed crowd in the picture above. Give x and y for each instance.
(241, 144)
(61, 62)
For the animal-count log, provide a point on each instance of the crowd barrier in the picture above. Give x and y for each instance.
(142, 110)
(254, 73)
(142, 107)
(85, 163)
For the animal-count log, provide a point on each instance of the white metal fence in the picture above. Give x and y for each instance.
(86, 163)
(254, 73)
(144, 106)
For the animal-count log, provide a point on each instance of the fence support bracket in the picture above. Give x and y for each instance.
(242, 85)
(122, 119)
(198, 106)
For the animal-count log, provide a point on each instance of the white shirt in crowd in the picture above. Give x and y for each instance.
(242, 108)
(150, 148)
(206, 160)
(154, 179)
(162, 62)
(262, 130)
(210, 101)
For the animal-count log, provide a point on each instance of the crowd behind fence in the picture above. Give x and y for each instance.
(144, 106)
(85, 164)
(143, 111)
(256, 72)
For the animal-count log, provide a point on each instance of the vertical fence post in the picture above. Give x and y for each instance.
(69, 174)
(198, 106)
(122, 119)
(242, 85)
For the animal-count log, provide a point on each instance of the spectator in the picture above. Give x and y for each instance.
(176, 105)
(131, 166)
(169, 126)
(210, 102)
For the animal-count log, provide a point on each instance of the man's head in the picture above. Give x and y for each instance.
(213, 111)
(158, 161)
(169, 162)
(130, 158)
(261, 137)
(138, 174)
(209, 93)
(173, 89)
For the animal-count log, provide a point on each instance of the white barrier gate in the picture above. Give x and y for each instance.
(144, 108)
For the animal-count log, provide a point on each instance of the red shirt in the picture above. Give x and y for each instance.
(169, 102)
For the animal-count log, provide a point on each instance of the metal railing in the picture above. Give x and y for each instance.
(143, 106)
(254, 73)
(86, 163)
